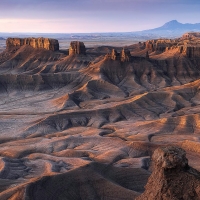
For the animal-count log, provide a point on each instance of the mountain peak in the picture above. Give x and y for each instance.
(172, 24)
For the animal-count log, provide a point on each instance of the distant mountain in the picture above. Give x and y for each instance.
(171, 29)
(175, 25)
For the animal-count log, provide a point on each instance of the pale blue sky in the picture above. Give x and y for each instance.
(69, 16)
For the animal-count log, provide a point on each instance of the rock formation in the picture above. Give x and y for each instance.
(123, 56)
(190, 51)
(192, 35)
(188, 45)
(46, 43)
(172, 177)
(114, 55)
(160, 45)
(77, 47)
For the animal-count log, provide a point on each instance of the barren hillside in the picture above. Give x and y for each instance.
(84, 125)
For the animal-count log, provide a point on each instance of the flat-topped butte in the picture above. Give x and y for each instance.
(45, 43)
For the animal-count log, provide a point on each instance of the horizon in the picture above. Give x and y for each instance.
(92, 32)
(87, 16)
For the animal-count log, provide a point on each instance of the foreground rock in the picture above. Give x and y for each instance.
(76, 47)
(45, 43)
(172, 177)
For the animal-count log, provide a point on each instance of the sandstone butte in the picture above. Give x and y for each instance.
(188, 45)
(45, 43)
(172, 177)
(77, 47)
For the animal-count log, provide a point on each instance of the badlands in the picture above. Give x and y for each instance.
(84, 123)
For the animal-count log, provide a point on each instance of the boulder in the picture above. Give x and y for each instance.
(45, 43)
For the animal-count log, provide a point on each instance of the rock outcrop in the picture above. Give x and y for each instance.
(45, 43)
(123, 56)
(160, 45)
(190, 51)
(188, 45)
(114, 55)
(77, 47)
(172, 177)
(192, 35)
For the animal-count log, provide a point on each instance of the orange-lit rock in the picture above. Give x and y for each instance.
(46, 43)
(123, 56)
(188, 45)
(76, 47)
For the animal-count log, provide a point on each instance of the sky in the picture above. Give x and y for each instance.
(85, 16)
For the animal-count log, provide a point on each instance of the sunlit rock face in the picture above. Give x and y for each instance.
(77, 47)
(123, 56)
(188, 45)
(192, 35)
(45, 43)
(172, 177)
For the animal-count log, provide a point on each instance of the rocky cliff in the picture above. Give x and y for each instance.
(192, 35)
(46, 43)
(172, 177)
(190, 51)
(77, 47)
(188, 45)
(160, 45)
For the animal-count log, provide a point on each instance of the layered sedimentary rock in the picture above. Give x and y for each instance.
(192, 35)
(172, 177)
(160, 45)
(77, 47)
(190, 51)
(188, 45)
(46, 43)
(123, 56)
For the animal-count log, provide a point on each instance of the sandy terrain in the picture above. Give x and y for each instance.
(85, 126)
